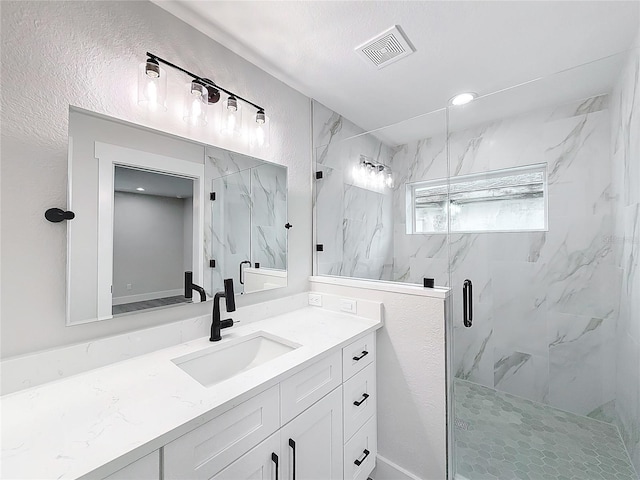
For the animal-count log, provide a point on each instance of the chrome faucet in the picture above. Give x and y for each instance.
(230, 301)
(189, 286)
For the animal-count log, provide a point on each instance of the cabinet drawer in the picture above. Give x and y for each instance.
(355, 451)
(257, 464)
(359, 400)
(205, 451)
(358, 355)
(305, 388)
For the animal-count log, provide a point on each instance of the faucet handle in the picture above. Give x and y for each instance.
(226, 323)
(229, 295)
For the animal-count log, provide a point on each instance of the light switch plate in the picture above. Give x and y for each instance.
(349, 306)
(315, 299)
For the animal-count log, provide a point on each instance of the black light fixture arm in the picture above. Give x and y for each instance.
(202, 80)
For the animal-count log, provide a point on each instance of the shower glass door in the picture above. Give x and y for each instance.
(536, 263)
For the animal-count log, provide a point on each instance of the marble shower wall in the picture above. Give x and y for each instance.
(268, 216)
(354, 224)
(625, 241)
(246, 221)
(545, 302)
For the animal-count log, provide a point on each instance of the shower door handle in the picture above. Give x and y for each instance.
(467, 303)
(242, 271)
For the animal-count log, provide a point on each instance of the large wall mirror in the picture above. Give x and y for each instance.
(151, 206)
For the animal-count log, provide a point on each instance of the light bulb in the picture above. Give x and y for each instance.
(231, 117)
(196, 109)
(152, 86)
(151, 92)
(195, 104)
(259, 130)
(260, 135)
(389, 180)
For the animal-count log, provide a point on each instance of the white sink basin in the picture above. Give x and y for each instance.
(221, 362)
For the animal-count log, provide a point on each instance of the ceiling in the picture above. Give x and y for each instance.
(480, 46)
(158, 184)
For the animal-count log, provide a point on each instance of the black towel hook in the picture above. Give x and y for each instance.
(57, 215)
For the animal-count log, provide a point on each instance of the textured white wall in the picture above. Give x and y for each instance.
(411, 376)
(86, 54)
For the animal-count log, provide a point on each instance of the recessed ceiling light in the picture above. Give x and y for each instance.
(463, 98)
(140, 189)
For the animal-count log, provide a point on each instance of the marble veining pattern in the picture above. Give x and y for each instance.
(556, 312)
(529, 286)
(625, 241)
(246, 221)
(353, 224)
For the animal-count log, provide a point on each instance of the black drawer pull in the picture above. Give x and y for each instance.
(274, 459)
(292, 444)
(364, 397)
(364, 354)
(366, 454)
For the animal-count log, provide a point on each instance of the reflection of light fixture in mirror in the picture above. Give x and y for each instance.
(152, 85)
(195, 104)
(260, 130)
(388, 178)
(463, 98)
(231, 116)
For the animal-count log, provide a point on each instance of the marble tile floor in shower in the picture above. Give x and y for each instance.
(500, 436)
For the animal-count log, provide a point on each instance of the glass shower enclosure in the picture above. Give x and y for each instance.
(525, 203)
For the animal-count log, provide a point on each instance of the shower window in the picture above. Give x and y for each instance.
(510, 200)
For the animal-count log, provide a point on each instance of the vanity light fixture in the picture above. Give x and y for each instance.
(201, 93)
(152, 85)
(463, 98)
(372, 175)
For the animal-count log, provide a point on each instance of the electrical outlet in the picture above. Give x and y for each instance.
(315, 299)
(349, 306)
(128, 286)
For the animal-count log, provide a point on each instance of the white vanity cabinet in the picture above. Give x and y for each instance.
(359, 407)
(317, 424)
(311, 444)
(259, 463)
(203, 452)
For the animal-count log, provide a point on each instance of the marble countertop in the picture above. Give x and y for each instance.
(106, 418)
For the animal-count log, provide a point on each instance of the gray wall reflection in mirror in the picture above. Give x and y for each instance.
(246, 236)
(152, 239)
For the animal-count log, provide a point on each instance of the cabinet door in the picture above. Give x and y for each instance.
(311, 444)
(259, 463)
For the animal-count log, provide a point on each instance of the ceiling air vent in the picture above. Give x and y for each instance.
(386, 48)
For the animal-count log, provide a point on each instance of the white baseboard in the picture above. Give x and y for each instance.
(387, 470)
(143, 297)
